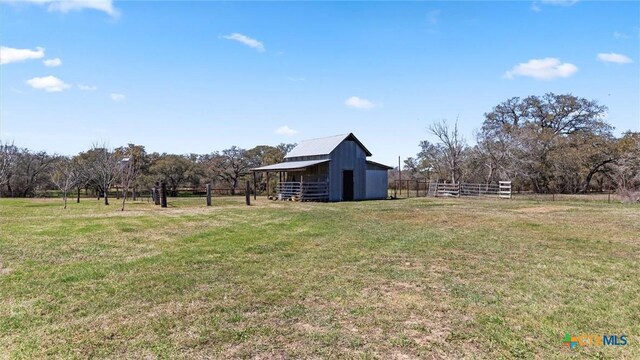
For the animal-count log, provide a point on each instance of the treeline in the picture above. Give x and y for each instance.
(129, 169)
(545, 144)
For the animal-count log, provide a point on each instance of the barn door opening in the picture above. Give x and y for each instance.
(347, 185)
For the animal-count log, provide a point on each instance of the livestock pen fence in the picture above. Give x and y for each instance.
(435, 188)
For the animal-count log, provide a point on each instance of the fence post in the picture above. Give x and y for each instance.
(255, 188)
(163, 194)
(267, 187)
(247, 194)
(400, 175)
(156, 193)
(208, 194)
(458, 188)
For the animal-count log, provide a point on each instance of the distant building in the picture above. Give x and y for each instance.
(334, 168)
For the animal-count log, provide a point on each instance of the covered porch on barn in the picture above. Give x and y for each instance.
(296, 180)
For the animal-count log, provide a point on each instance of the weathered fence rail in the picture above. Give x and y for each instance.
(313, 190)
(435, 188)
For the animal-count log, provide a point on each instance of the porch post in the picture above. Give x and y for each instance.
(268, 192)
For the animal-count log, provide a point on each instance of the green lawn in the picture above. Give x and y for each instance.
(399, 279)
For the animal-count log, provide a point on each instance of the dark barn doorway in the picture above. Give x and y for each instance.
(347, 185)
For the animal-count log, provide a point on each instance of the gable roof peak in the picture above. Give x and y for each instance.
(322, 146)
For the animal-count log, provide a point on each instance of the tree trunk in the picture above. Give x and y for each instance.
(106, 198)
(78, 198)
(64, 197)
(592, 172)
(124, 199)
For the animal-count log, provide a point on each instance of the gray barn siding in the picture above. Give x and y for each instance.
(347, 156)
(377, 183)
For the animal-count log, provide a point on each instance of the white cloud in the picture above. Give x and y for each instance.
(250, 42)
(117, 97)
(87, 87)
(52, 62)
(48, 84)
(286, 131)
(542, 69)
(614, 58)
(77, 5)
(10, 55)
(559, 2)
(359, 103)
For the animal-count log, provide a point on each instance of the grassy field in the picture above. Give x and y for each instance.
(429, 278)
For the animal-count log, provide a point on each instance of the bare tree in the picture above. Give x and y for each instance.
(451, 146)
(104, 168)
(131, 158)
(626, 169)
(64, 175)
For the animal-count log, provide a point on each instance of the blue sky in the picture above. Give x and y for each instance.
(195, 77)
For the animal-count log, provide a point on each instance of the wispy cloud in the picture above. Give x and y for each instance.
(542, 69)
(536, 5)
(432, 21)
(10, 55)
(614, 58)
(250, 42)
(433, 17)
(48, 84)
(559, 2)
(619, 35)
(87, 87)
(359, 103)
(286, 131)
(52, 62)
(117, 97)
(65, 6)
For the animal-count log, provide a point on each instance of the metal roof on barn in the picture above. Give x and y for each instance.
(322, 146)
(290, 165)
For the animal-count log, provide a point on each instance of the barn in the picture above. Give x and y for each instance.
(333, 168)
